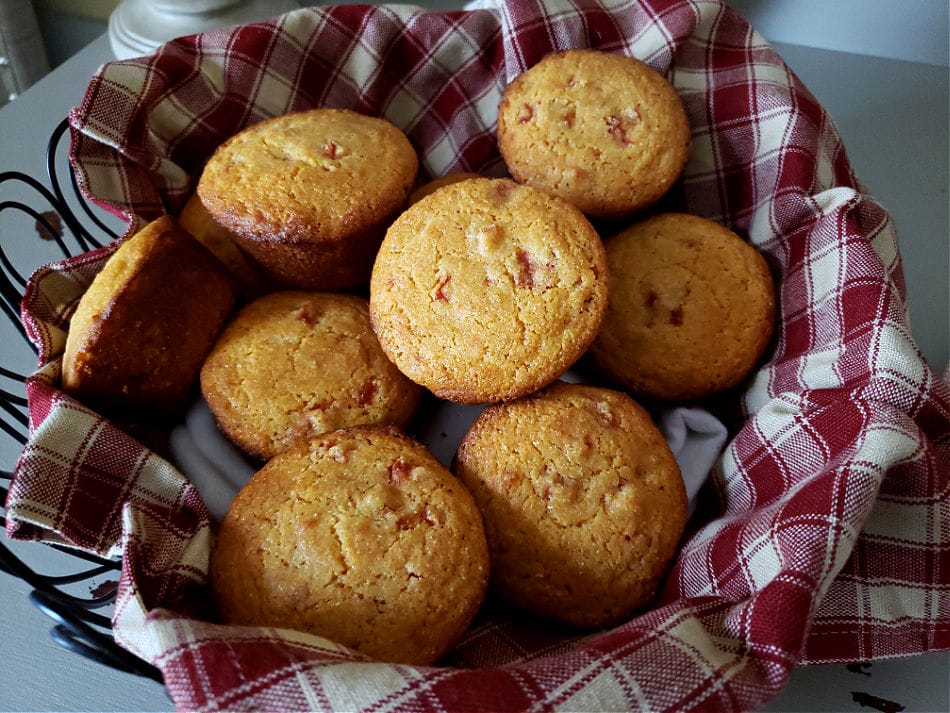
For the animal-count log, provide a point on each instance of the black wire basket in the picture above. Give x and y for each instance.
(79, 595)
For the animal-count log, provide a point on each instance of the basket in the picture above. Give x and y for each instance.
(821, 535)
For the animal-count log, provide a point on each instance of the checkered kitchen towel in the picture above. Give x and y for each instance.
(823, 535)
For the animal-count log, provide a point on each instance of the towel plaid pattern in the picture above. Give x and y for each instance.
(824, 532)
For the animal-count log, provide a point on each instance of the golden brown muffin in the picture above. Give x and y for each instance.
(437, 183)
(487, 290)
(362, 537)
(604, 131)
(691, 309)
(197, 222)
(582, 500)
(141, 331)
(293, 364)
(309, 194)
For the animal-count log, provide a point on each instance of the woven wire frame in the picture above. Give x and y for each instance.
(79, 598)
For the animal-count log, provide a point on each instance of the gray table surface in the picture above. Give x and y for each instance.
(893, 116)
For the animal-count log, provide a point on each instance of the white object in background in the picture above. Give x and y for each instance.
(914, 31)
(138, 27)
(22, 56)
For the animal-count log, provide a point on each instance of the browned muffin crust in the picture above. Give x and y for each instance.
(309, 194)
(141, 331)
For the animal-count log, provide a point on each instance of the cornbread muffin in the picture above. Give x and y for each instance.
(142, 329)
(604, 131)
(487, 290)
(437, 183)
(293, 364)
(197, 222)
(691, 310)
(360, 536)
(582, 500)
(309, 194)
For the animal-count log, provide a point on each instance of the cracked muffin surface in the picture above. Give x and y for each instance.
(487, 290)
(361, 537)
(582, 500)
(294, 364)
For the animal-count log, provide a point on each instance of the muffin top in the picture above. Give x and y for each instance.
(487, 290)
(360, 536)
(604, 131)
(309, 176)
(691, 310)
(294, 364)
(582, 500)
